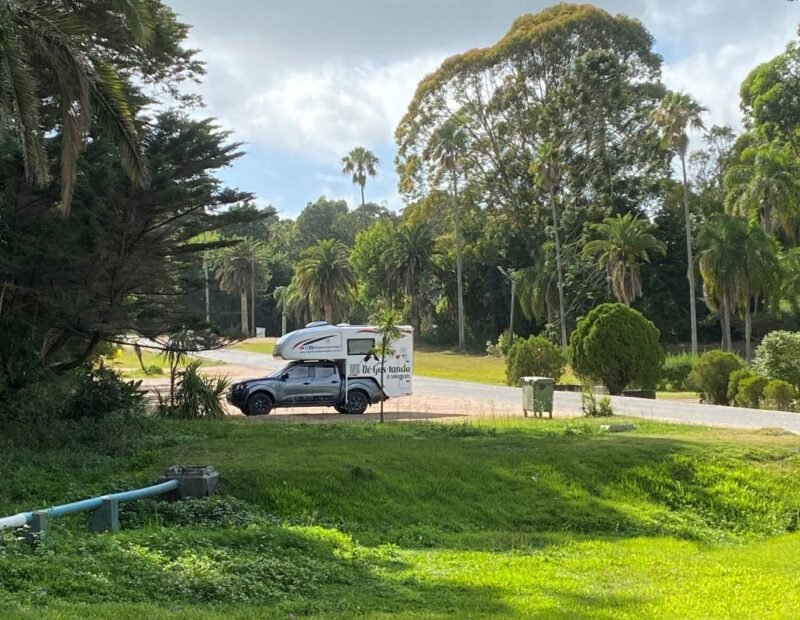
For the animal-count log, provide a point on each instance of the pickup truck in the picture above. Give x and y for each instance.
(305, 384)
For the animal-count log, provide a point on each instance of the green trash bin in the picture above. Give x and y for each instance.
(537, 395)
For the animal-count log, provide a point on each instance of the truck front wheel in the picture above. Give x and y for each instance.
(259, 404)
(357, 403)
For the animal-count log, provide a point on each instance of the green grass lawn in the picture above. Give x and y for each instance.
(501, 520)
(128, 365)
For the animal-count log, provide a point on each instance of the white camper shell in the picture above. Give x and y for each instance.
(353, 346)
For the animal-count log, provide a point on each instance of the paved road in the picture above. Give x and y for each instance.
(509, 398)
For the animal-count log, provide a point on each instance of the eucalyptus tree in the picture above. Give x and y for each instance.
(547, 168)
(677, 114)
(361, 163)
(60, 44)
(622, 245)
(325, 277)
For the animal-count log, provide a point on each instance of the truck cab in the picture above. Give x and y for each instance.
(305, 384)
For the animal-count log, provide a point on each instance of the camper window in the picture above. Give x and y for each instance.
(360, 346)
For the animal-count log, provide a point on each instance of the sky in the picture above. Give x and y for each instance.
(302, 82)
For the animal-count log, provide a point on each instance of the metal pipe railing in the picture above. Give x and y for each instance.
(23, 518)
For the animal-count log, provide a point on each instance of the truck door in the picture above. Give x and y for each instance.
(326, 384)
(297, 385)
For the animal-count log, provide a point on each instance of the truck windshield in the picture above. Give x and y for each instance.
(281, 371)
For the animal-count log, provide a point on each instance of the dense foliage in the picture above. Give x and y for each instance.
(712, 375)
(534, 357)
(617, 346)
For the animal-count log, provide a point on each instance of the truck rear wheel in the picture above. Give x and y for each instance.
(357, 402)
(259, 404)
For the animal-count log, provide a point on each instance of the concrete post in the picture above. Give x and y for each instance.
(195, 482)
(36, 528)
(105, 518)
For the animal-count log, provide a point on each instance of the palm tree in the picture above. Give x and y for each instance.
(447, 148)
(406, 260)
(361, 163)
(325, 274)
(765, 182)
(624, 243)
(242, 269)
(86, 85)
(547, 169)
(722, 261)
(281, 297)
(677, 113)
(760, 277)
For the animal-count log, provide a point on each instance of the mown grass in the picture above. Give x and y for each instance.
(501, 519)
(126, 362)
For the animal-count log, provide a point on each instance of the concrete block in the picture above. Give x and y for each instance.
(195, 482)
(37, 528)
(105, 518)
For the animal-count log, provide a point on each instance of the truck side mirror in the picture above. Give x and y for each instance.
(284, 376)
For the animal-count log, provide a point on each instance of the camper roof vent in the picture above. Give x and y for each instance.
(343, 325)
(317, 324)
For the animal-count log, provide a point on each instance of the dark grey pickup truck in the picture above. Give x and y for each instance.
(305, 384)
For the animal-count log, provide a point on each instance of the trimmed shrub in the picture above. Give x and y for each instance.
(737, 376)
(778, 357)
(536, 356)
(780, 395)
(618, 346)
(712, 374)
(751, 391)
(675, 372)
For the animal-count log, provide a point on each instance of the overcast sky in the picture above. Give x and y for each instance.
(304, 81)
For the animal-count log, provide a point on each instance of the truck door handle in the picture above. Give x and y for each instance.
(334, 382)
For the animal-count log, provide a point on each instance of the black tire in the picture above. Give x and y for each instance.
(341, 409)
(357, 402)
(259, 404)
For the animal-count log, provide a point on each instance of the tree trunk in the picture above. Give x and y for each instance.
(511, 319)
(328, 307)
(252, 298)
(726, 331)
(689, 255)
(243, 312)
(383, 363)
(208, 291)
(748, 328)
(559, 270)
(364, 222)
(459, 262)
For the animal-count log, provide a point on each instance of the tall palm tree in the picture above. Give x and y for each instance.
(760, 276)
(624, 242)
(721, 241)
(765, 182)
(388, 322)
(361, 163)
(406, 260)
(677, 113)
(241, 270)
(325, 274)
(86, 85)
(447, 148)
(547, 168)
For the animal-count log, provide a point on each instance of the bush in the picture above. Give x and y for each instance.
(779, 395)
(618, 346)
(101, 392)
(593, 408)
(153, 369)
(712, 374)
(675, 372)
(778, 357)
(196, 396)
(501, 347)
(737, 376)
(751, 391)
(536, 356)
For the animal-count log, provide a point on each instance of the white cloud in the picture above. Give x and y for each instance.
(714, 77)
(319, 112)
